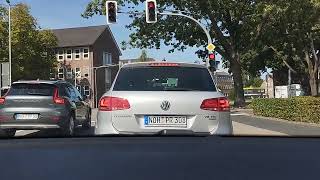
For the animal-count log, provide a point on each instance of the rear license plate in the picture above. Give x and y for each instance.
(165, 121)
(27, 116)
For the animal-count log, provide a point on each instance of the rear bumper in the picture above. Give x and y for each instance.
(48, 118)
(29, 126)
(222, 125)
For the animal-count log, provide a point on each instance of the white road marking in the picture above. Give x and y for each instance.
(239, 114)
(25, 132)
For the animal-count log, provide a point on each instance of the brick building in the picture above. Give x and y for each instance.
(80, 51)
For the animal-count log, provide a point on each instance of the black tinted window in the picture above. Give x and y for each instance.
(164, 79)
(32, 89)
(63, 91)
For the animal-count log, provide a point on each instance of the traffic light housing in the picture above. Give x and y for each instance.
(212, 62)
(212, 57)
(151, 11)
(111, 11)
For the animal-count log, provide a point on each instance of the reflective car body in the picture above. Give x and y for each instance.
(163, 98)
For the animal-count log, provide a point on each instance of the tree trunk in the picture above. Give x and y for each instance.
(312, 72)
(238, 81)
(313, 85)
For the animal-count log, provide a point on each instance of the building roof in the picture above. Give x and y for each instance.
(80, 36)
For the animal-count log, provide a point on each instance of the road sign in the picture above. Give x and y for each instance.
(211, 47)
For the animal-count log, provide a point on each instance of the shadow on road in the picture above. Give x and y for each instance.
(79, 131)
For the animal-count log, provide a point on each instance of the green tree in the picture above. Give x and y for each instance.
(32, 48)
(235, 25)
(252, 82)
(291, 38)
(143, 57)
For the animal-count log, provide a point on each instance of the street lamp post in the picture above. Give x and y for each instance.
(10, 53)
(199, 23)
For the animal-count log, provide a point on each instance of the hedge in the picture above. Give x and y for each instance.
(301, 109)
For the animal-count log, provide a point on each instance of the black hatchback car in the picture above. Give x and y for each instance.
(36, 105)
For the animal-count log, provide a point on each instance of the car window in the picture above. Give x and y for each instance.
(31, 89)
(164, 79)
(63, 91)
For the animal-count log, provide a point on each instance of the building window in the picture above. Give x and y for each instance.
(69, 54)
(77, 54)
(60, 73)
(69, 73)
(85, 53)
(78, 72)
(107, 58)
(60, 55)
(87, 90)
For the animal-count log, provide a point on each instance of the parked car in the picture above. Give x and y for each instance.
(164, 98)
(36, 105)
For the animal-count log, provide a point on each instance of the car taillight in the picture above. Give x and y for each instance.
(216, 104)
(2, 100)
(56, 98)
(113, 104)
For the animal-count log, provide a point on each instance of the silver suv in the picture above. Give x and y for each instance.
(163, 98)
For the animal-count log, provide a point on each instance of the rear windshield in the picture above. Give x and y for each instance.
(31, 89)
(164, 79)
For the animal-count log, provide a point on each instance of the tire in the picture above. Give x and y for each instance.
(68, 129)
(9, 132)
(87, 123)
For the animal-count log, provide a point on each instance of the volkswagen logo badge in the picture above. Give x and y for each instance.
(165, 105)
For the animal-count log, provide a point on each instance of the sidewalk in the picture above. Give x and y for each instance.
(247, 130)
(249, 112)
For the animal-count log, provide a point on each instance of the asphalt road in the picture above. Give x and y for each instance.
(243, 124)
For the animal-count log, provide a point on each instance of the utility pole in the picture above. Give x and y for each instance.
(289, 77)
(10, 53)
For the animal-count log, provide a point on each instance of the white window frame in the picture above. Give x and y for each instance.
(77, 73)
(67, 54)
(60, 73)
(88, 53)
(69, 73)
(86, 91)
(107, 58)
(77, 54)
(60, 55)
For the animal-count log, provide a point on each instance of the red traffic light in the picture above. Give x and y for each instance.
(151, 5)
(111, 12)
(212, 56)
(151, 11)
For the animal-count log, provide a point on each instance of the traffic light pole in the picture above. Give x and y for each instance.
(199, 23)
